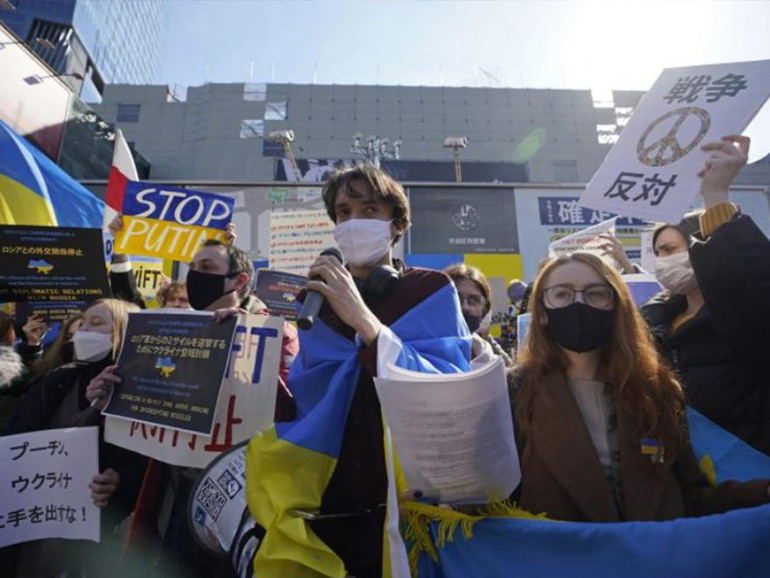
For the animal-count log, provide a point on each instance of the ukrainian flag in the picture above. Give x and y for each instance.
(290, 465)
(35, 191)
(716, 546)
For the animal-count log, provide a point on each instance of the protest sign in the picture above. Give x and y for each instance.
(652, 170)
(148, 273)
(172, 365)
(171, 223)
(44, 483)
(246, 403)
(558, 216)
(278, 290)
(54, 264)
(587, 240)
(522, 324)
(297, 238)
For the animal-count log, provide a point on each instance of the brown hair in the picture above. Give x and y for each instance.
(237, 262)
(168, 291)
(461, 271)
(644, 383)
(383, 187)
(687, 227)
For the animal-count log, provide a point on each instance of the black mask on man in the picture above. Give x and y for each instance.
(473, 321)
(205, 288)
(580, 327)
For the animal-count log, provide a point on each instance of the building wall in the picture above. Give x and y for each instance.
(553, 131)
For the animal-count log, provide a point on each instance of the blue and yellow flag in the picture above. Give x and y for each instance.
(290, 465)
(35, 191)
(730, 544)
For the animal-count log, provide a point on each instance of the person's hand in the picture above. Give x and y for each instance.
(103, 485)
(329, 278)
(724, 163)
(35, 329)
(224, 313)
(230, 235)
(100, 387)
(116, 225)
(612, 247)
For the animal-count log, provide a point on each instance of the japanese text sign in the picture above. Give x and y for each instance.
(652, 170)
(170, 223)
(278, 291)
(172, 365)
(297, 237)
(246, 402)
(53, 264)
(44, 483)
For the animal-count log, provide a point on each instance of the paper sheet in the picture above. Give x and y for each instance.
(453, 433)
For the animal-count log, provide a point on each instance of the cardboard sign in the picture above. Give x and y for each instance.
(652, 170)
(54, 264)
(279, 290)
(246, 403)
(172, 365)
(171, 223)
(148, 273)
(44, 483)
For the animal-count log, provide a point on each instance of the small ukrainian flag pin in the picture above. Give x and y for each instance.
(651, 447)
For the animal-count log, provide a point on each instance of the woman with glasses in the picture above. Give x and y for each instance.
(600, 421)
(475, 296)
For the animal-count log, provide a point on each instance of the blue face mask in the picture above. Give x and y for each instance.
(580, 327)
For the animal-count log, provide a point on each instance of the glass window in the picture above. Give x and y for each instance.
(128, 112)
(252, 128)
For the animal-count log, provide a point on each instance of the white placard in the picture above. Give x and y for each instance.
(652, 170)
(453, 433)
(44, 483)
(246, 403)
(587, 240)
(297, 237)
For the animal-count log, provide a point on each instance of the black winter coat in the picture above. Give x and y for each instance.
(722, 355)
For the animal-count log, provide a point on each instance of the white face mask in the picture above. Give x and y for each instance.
(91, 346)
(676, 274)
(363, 242)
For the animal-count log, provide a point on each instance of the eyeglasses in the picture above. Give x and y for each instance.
(599, 296)
(472, 300)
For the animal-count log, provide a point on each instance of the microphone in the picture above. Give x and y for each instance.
(314, 300)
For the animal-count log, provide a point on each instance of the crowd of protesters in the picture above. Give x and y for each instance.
(595, 378)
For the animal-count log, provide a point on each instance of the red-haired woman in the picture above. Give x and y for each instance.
(600, 419)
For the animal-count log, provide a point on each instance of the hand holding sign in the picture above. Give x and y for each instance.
(722, 166)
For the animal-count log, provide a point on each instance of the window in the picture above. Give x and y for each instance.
(254, 92)
(129, 112)
(252, 128)
(276, 110)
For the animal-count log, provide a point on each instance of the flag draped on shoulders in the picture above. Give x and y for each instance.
(35, 191)
(289, 465)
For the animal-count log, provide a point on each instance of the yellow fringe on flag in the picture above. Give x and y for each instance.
(419, 516)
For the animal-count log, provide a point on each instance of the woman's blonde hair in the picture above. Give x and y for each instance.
(120, 310)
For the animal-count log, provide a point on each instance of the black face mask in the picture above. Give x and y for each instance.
(580, 327)
(473, 321)
(205, 288)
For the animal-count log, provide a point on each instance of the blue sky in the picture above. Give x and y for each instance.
(620, 44)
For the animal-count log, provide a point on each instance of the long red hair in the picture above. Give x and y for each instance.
(644, 383)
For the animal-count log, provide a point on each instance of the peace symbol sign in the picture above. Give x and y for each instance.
(668, 149)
